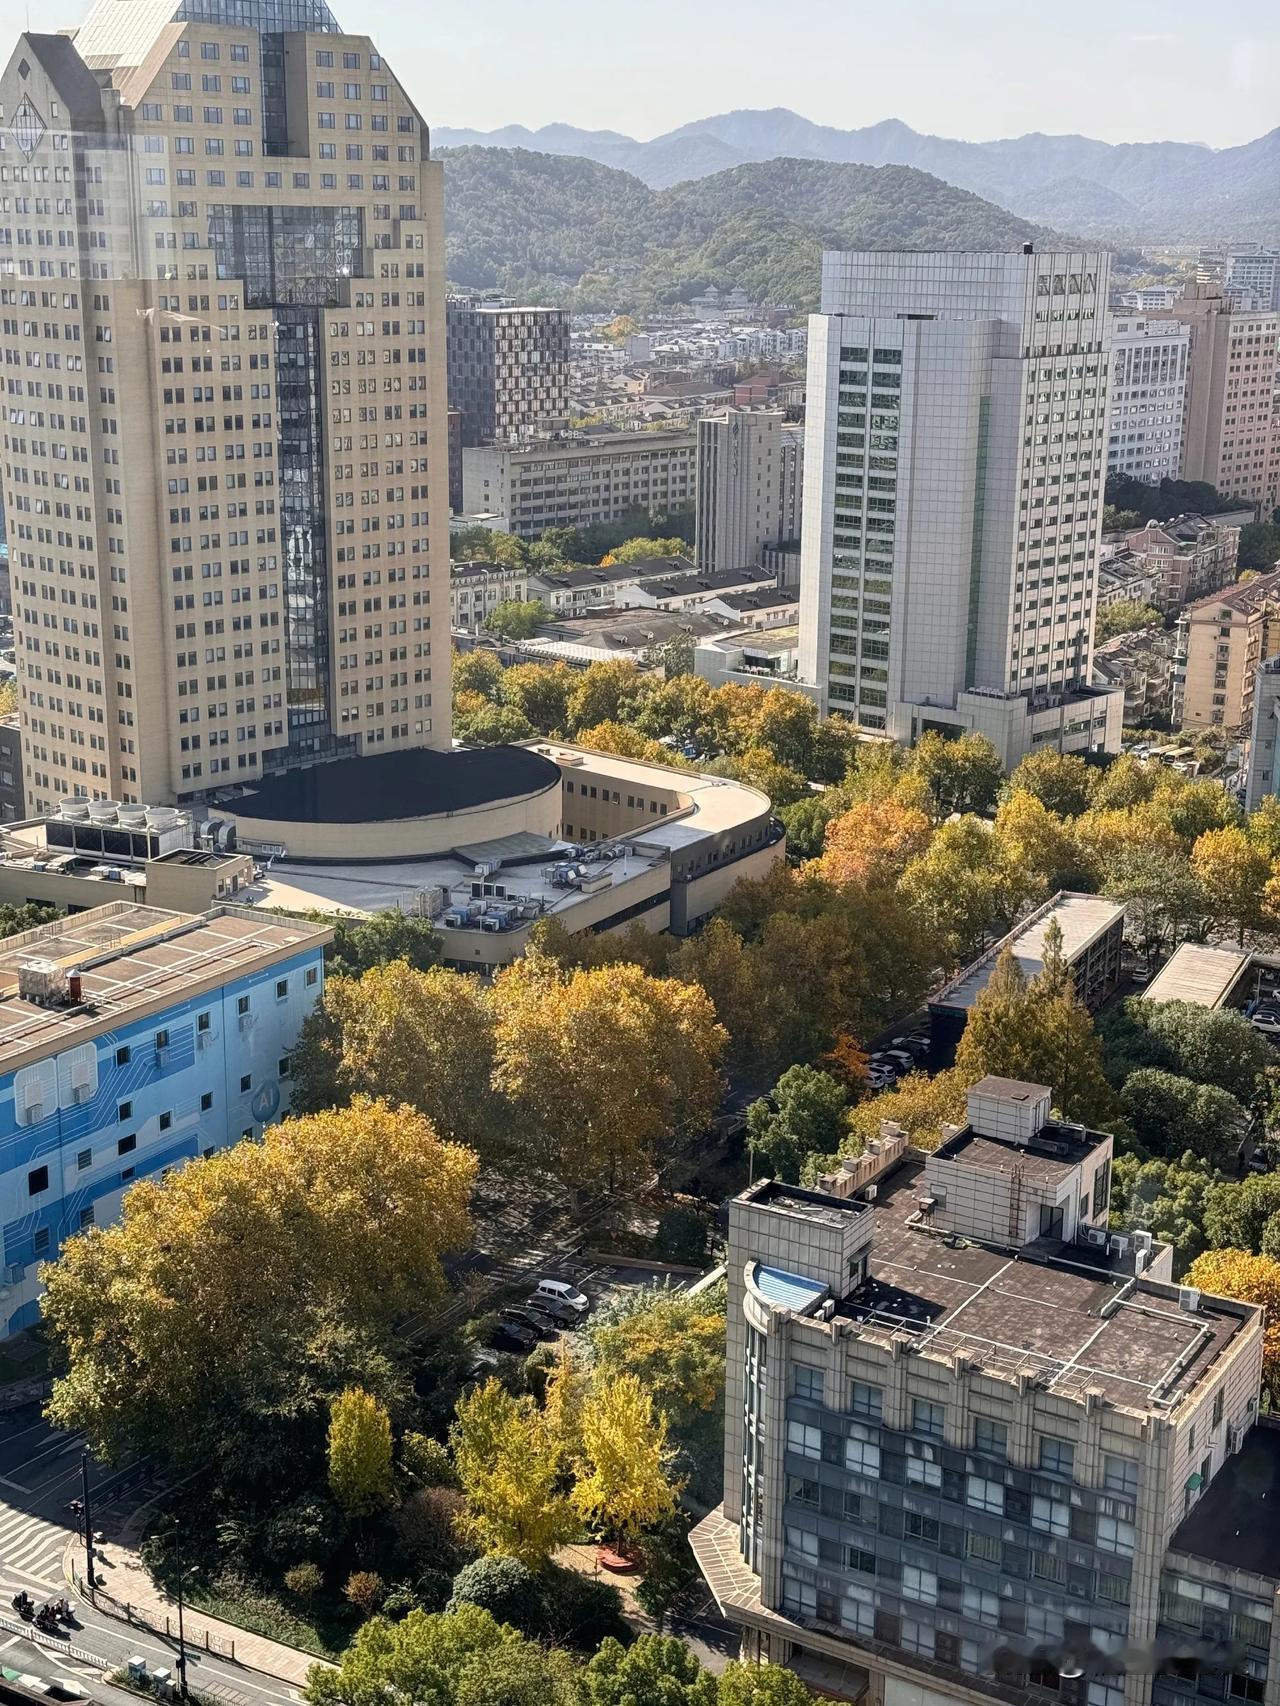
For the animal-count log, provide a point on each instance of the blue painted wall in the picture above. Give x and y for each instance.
(181, 1083)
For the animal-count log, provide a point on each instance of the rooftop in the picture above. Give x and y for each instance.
(1052, 1154)
(1197, 973)
(1243, 599)
(613, 574)
(391, 786)
(1067, 1325)
(1231, 1523)
(1082, 918)
(132, 958)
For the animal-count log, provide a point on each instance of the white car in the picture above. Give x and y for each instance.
(1266, 1019)
(557, 1291)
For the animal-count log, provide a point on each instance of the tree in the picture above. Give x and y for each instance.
(359, 1452)
(1061, 781)
(236, 1296)
(490, 725)
(1251, 1279)
(1164, 902)
(744, 1684)
(656, 1670)
(873, 842)
(608, 692)
(962, 775)
(1165, 1197)
(623, 1483)
(1233, 871)
(359, 944)
(1125, 616)
(516, 619)
(365, 1589)
(667, 1566)
(539, 692)
(510, 1466)
(1259, 546)
(920, 1104)
(807, 1114)
(960, 889)
(1245, 1214)
(1210, 1046)
(606, 1066)
(504, 1587)
(1171, 1115)
(422, 1038)
(1263, 826)
(477, 672)
(487, 545)
(644, 548)
(1037, 848)
(304, 1581)
(627, 742)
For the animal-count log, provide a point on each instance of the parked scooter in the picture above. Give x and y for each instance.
(22, 1603)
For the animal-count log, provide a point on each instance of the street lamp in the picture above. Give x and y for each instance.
(88, 1523)
(182, 1643)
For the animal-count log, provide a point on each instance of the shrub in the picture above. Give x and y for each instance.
(428, 1461)
(426, 1532)
(365, 1589)
(581, 1612)
(304, 1580)
(681, 1237)
(310, 1527)
(504, 1587)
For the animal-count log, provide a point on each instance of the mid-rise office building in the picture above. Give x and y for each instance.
(750, 479)
(1149, 298)
(1249, 274)
(955, 460)
(978, 1445)
(1231, 437)
(133, 1039)
(224, 435)
(1262, 776)
(580, 478)
(1148, 397)
(1222, 642)
(508, 368)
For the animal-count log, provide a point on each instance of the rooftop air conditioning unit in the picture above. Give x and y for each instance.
(871, 1193)
(1096, 1236)
(1189, 1299)
(1143, 1241)
(1120, 1246)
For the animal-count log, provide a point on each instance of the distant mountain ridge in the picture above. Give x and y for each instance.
(591, 236)
(1135, 190)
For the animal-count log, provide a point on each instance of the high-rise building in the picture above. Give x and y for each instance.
(978, 1446)
(224, 430)
(508, 368)
(1232, 434)
(750, 479)
(955, 461)
(1222, 642)
(1148, 397)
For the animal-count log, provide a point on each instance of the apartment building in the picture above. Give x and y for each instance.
(224, 443)
(575, 480)
(133, 1039)
(1222, 642)
(476, 589)
(955, 460)
(749, 484)
(1149, 359)
(1142, 664)
(979, 1447)
(1262, 776)
(508, 368)
(1123, 580)
(1190, 556)
(1231, 437)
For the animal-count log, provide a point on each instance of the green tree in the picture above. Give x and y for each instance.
(1259, 546)
(1061, 781)
(644, 548)
(745, 1684)
(504, 1587)
(805, 1114)
(962, 775)
(486, 545)
(1170, 1115)
(1245, 1214)
(656, 1670)
(1210, 1046)
(491, 725)
(539, 692)
(516, 619)
(359, 944)
(1125, 616)
(477, 672)
(359, 1452)
(1164, 901)
(1168, 1198)
(960, 890)
(667, 1566)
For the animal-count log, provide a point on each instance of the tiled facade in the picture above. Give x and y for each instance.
(1149, 360)
(508, 368)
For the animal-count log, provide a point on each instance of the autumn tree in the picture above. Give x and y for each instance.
(359, 1452)
(607, 1066)
(962, 775)
(539, 692)
(960, 889)
(510, 1466)
(626, 742)
(1251, 1279)
(1232, 871)
(1061, 781)
(236, 1296)
(920, 1104)
(477, 672)
(623, 1481)
(1037, 849)
(873, 842)
(607, 692)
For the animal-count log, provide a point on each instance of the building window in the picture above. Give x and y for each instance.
(919, 1584)
(1101, 1190)
(312, 976)
(1050, 1516)
(1219, 1406)
(990, 1438)
(1057, 1456)
(1115, 1535)
(166, 1120)
(284, 1066)
(203, 1022)
(247, 1133)
(84, 1160)
(86, 1216)
(984, 1495)
(862, 1453)
(923, 1471)
(40, 1243)
(981, 1606)
(282, 988)
(206, 1102)
(801, 1491)
(803, 1541)
(859, 1559)
(127, 1145)
(803, 1439)
(242, 1005)
(124, 1112)
(124, 1056)
(37, 1181)
(928, 1418)
(162, 1039)
(987, 1548)
(1120, 1474)
(866, 1400)
(808, 1384)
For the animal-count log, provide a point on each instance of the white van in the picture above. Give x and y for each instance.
(556, 1291)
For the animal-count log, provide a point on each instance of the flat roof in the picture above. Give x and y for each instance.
(718, 803)
(133, 958)
(1082, 918)
(391, 786)
(1198, 974)
(1049, 1157)
(1232, 1522)
(1016, 1314)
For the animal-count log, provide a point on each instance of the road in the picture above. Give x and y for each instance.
(39, 1476)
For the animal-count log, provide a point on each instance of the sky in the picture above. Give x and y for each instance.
(1120, 70)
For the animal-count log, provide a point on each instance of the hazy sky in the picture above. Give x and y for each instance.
(1123, 70)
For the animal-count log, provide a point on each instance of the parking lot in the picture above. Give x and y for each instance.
(596, 1283)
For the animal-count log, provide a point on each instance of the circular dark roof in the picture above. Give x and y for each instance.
(391, 786)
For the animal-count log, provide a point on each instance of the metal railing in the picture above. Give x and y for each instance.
(158, 1622)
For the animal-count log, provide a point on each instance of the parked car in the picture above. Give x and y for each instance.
(558, 1312)
(1266, 1019)
(1140, 975)
(902, 1057)
(559, 1291)
(540, 1325)
(511, 1336)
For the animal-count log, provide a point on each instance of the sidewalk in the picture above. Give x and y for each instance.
(130, 1594)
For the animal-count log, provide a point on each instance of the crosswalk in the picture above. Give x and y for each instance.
(31, 1550)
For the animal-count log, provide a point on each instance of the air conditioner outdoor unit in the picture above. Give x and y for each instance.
(1143, 1241)
(1096, 1236)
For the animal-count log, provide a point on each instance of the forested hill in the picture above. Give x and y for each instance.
(570, 230)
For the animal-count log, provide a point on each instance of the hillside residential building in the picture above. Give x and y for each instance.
(475, 589)
(1190, 556)
(1231, 438)
(1148, 397)
(954, 467)
(750, 478)
(508, 368)
(133, 1039)
(1222, 643)
(208, 547)
(575, 480)
(978, 1447)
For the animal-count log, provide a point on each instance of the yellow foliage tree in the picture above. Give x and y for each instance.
(230, 1287)
(1038, 848)
(623, 1483)
(606, 1065)
(1233, 872)
(1251, 1279)
(359, 1452)
(510, 1461)
(873, 842)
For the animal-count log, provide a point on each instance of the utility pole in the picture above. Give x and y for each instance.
(182, 1644)
(88, 1523)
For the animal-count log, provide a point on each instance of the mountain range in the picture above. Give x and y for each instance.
(1136, 191)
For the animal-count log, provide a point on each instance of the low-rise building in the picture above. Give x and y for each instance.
(1142, 663)
(476, 589)
(691, 590)
(12, 799)
(978, 1446)
(570, 592)
(1190, 556)
(765, 658)
(577, 479)
(1222, 642)
(133, 1039)
(1123, 579)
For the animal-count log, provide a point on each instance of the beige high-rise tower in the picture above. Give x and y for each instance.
(224, 460)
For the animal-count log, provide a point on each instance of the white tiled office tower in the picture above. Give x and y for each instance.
(1148, 397)
(955, 460)
(224, 464)
(749, 483)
